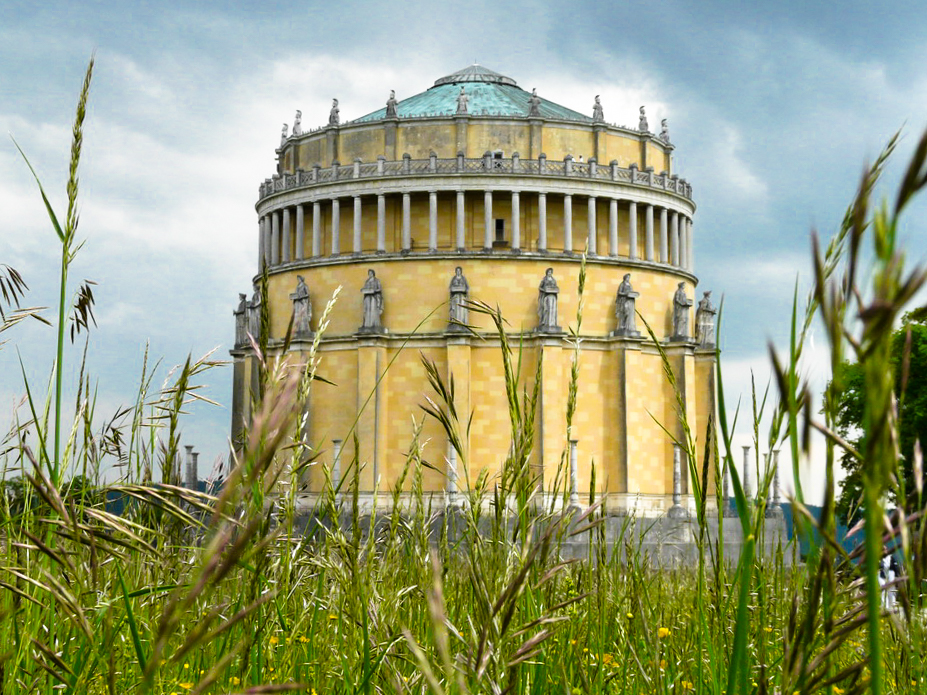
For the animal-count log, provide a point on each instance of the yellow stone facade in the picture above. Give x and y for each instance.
(503, 195)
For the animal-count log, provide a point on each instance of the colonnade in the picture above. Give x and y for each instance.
(667, 234)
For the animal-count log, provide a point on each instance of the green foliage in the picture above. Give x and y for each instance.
(907, 367)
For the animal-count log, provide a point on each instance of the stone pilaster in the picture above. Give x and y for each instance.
(612, 227)
(432, 220)
(461, 221)
(371, 402)
(358, 229)
(542, 222)
(285, 235)
(664, 236)
(381, 223)
(406, 222)
(300, 232)
(516, 221)
(632, 230)
(568, 223)
(591, 228)
(648, 232)
(336, 226)
(316, 229)
(275, 238)
(487, 221)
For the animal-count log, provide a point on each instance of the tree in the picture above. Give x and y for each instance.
(909, 369)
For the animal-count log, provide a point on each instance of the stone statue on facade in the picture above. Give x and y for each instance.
(664, 131)
(254, 315)
(681, 304)
(598, 115)
(547, 303)
(241, 320)
(457, 306)
(298, 123)
(462, 100)
(283, 134)
(302, 309)
(642, 122)
(534, 103)
(705, 321)
(391, 103)
(626, 309)
(373, 304)
(334, 117)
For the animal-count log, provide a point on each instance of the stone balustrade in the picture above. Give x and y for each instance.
(487, 164)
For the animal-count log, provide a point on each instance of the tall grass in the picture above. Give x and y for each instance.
(189, 592)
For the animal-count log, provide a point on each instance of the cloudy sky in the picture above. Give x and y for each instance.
(773, 109)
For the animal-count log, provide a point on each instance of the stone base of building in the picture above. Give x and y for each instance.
(670, 539)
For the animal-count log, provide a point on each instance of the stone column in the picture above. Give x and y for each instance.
(776, 490)
(487, 221)
(542, 222)
(285, 235)
(432, 220)
(358, 210)
(316, 229)
(406, 222)
(516, 221)
(747, 484)
(648, 231)
(336, 463)
(683, 251)
(381, 223)
(262, 247)
(451, 475)
(568, 223)
(690, 240)
(300, 232)
(275, 238)
(461, 218)
(664, 235)
(613, 227)
(336, 226)
(574, 474)
(674, 238)
(632, 230)
(591, 231)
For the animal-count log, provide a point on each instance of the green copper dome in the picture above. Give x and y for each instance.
(488, 92)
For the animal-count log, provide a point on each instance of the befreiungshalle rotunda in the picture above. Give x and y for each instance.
(476, 190)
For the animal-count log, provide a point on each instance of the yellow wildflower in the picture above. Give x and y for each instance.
(234, 680)
(186, 686)
(303, 639)
(768, 629)
(273, 639)
(630, 616)
(663, 632)
(662, 663)
(838, 690)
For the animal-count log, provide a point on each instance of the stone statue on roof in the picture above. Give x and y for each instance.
(534, 103)
(302, 309)
(625, 309)
(598, 115)
(283, 134)
(333, 116)
(681, 304)
(462, 100)
(705, 321)
(391, 111)
(297, 123)
(459, 290)
(372, 292)
(241, 321)
(642, 122)
(664, 131)
(547, 303)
